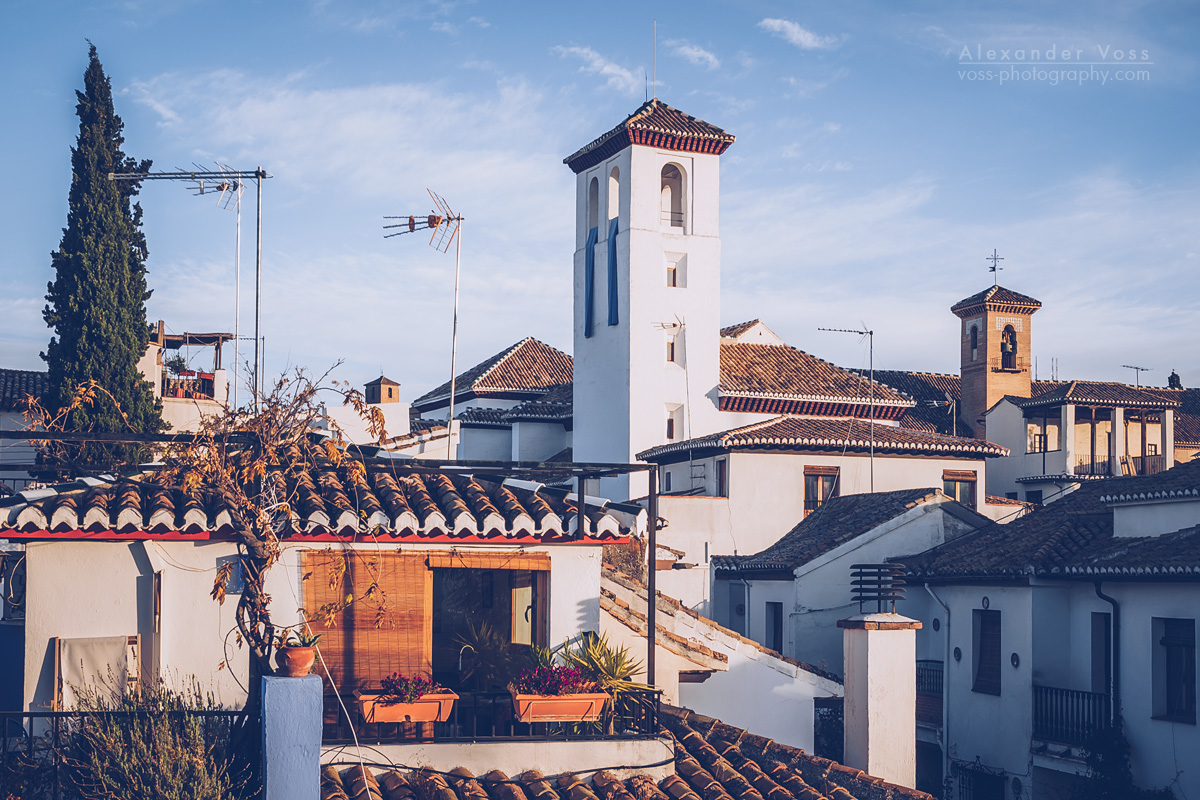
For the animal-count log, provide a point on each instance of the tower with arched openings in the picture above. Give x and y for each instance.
(647, 282)
(997, 331)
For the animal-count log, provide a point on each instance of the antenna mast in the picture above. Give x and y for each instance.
(1137, 371)
(870, 334)
(446, 228)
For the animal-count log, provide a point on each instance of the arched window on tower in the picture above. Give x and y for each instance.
(672, 196)
(614, 193)
(593, 204)
(1008, 348)
(974, 343)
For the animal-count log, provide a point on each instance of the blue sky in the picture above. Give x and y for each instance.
(876, 166)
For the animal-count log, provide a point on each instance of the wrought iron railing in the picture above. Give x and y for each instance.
(929, 691)
(1092, 465)
(1069, 716)
(1009, 364)
(489, 716)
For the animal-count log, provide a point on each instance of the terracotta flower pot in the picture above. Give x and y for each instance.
(558, 708)
(427, 708)
(295, 662)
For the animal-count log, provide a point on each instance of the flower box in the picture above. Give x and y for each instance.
(427, 708)
(558, 708)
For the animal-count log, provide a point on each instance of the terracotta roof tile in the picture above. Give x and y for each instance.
(654, 124)
(325, 503)
(927, 388)
(838, 520)
(997, 296)
(18, 384)
(1105, 393)
(780, 372)
(734, 331)
(1074, 536)
(802, 433)
(529, 368)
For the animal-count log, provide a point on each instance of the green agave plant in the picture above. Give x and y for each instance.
(612, 667)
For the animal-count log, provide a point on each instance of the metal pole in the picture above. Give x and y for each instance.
(651, 568)
(258, 176)
(453, 347)
(871, 395)
(237, 295)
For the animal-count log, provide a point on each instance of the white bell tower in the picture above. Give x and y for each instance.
(647, 283)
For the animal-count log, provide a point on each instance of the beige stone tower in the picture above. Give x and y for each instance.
(996, 337)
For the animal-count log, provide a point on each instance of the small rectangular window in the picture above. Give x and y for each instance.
(959, 485)
(670, 428)
(986, 635)
(722, 478)
(672, 277)
(670, 351)
(666, 482)
(774, 621)
(1034, 496)
(820, 484)
(1174, 666)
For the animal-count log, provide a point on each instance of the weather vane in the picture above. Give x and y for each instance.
(995, 268)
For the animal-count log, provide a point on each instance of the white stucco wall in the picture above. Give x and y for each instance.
(354, 427)
(1156, 517)
(485, 444)
(881, 700)
(538, 441)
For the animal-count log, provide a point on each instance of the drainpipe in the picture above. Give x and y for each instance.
(1115, 689)
(746, 600)
(945, 685)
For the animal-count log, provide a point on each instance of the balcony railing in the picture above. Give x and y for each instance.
(1144, 465)
(1092, 465)
(1067, 715)
(1009, 364)
(192, 385)
(929, 691)
(489, 715)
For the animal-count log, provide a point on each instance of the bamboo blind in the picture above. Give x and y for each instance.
(476, 560)
(381, 632)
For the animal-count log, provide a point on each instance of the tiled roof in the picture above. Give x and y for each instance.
(384, 505)
(734, 331)
(485, 417)
(926, 388)
(852, 435)
(554, 406)
(997, 500)
(654, 124)
(1073, 536)
(1103, 393)
(783, 373)
(1187, 416)
(18, 384)
(528, 368)
(713, 761)
(838, 520)
(716, 761)
(997, 296)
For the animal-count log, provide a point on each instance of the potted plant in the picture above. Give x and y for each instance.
(407, 699)
(556, 693)
(295, 654)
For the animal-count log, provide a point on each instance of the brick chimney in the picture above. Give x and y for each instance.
(880, 648)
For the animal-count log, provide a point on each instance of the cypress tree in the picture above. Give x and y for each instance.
(97, 300)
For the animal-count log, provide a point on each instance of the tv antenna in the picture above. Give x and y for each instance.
(228, 184)
(445, 229)
(995, 268)
(870, 334)
(950, 403)
(1137, 372)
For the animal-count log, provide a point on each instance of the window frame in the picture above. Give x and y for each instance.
(824, 482)
(1173, 664)
(987, 645)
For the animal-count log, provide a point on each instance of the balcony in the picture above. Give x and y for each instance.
(488, 716)
(1143, 465)
(1009, 363)
(929, 691)
(1092, 465)
(1068, 716)
(189, 384)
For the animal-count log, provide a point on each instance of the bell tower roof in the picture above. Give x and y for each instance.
(996, 298)
(654, 124)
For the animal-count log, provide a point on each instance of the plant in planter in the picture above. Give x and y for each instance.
(407, 699)
(296, 653)
(556, 693)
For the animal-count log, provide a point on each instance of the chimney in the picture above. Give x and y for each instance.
(880, 648)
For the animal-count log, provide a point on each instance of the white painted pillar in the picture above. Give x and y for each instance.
(1118, 440)
(881, 696)
(1167, 447)
(1068, 438)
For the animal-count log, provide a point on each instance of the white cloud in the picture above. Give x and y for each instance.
(479, 22)
(692, 53)
(616, 76)
(793, 33)
(444, 27)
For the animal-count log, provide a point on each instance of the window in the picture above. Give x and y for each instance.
(1042, 427)
(1011, 495)
(666, 481)
(1034, 496)
(593, 206)
(670, 428)
(820, 484)
(672, 276)
(671, 350)
(672, 196)
(614, 193)
(389, 393)
(986, 636)
(774, 621)
(1008, 349)
(974, 343)
(1174, 665)
(722, 478)
(960, 485)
